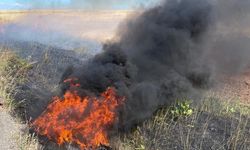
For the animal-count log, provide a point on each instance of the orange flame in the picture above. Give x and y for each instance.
(83, 121)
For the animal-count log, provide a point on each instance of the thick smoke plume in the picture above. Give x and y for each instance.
(172, 51)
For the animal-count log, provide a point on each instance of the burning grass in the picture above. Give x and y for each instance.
(84, 121)
(217, 123)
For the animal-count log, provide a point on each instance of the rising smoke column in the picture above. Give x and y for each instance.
(163, 54)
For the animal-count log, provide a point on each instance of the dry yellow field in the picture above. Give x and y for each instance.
(10, 16)
(98, 25)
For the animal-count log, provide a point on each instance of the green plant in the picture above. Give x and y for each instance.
(181, 109)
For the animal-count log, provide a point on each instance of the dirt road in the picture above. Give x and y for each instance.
(10, 131)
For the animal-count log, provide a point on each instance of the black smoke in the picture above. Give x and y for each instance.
(169, 52)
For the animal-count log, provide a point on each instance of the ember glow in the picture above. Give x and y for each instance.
(80, 120)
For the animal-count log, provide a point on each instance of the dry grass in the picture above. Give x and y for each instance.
(215, 125)
(26, 141)
(10, 16)
(13, 73)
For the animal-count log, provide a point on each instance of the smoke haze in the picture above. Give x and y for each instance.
(175, 50)
(76, 4)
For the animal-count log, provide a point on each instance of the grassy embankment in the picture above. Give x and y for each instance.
(13, 75)
(216, 123)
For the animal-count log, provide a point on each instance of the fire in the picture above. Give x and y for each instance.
(81, 120)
